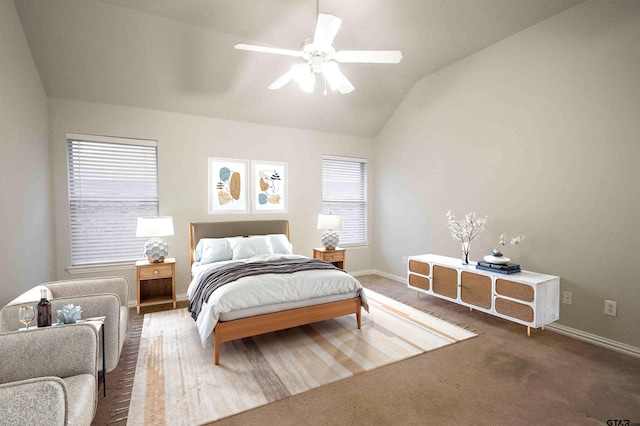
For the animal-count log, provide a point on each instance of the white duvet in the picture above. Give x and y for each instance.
(266, 293)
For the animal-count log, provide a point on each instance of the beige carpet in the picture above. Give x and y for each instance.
(177, 383)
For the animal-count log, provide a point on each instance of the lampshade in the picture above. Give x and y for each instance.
(154, 226)
(329, 221)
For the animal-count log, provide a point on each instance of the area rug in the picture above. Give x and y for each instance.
(176, 382)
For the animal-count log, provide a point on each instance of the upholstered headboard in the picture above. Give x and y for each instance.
(198, 230)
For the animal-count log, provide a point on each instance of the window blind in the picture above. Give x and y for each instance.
(344, 191)
(112, 181)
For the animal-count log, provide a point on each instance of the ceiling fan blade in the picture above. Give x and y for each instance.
(284, 79)
(336, 79)
(263, 49)
(369, 56)
(326, 29)
(295, 71)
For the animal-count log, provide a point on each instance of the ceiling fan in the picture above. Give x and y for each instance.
(322, 58)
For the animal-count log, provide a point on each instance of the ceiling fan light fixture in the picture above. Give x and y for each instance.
(305, 77)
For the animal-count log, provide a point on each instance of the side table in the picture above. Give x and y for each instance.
(156, 283)
(98, 323)
(332, 256)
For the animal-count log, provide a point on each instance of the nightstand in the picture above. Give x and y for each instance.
(156, 283)
(332, 256)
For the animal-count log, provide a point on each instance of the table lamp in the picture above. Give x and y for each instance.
(155, 227)
(330, 222)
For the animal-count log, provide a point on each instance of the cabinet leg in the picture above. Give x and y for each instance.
(470, 309)
(417, 294)
(542, 328)
(528, 331)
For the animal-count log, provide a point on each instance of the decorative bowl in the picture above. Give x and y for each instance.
(499, 260)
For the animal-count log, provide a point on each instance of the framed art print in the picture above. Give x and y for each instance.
(269, 181)
(228, 186)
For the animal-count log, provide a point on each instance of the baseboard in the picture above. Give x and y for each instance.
(358, 273)
(594, 339)
(391, 277)
(381, 273)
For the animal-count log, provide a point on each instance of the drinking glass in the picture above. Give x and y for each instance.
(26, 315)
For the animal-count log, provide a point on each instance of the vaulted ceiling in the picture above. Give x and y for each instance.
(178, 55)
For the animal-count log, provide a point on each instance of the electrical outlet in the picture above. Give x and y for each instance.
(611, 308)
(567, 298)
(405, 260)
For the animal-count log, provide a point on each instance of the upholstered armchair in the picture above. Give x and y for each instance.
(106, 297)
(48, 376)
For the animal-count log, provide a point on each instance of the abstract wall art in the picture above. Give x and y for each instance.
(228, 185)
(269, 181)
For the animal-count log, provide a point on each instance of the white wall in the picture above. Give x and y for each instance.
(184, 144)
(26, 250)
(541, 132)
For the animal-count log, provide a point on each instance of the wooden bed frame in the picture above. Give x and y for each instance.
(225, 331)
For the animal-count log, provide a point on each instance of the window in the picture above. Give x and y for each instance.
(344, 191)
(112, 181)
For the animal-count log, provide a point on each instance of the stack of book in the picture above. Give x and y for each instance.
(507, 268)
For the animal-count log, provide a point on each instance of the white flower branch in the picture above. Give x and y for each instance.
(514, 241)
(468, 229)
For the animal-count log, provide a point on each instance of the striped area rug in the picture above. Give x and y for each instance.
(176, 382)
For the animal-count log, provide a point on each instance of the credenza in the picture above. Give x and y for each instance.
(528, 298)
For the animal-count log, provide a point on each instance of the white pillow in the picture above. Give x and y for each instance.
(280, 244)
(244, 248)
(211, 250)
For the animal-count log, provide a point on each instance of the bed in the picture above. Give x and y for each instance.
(261, 302)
